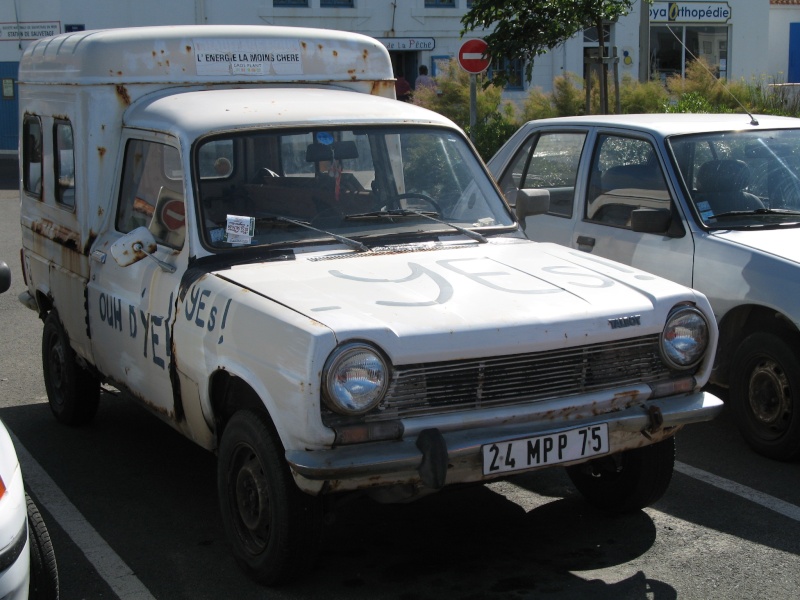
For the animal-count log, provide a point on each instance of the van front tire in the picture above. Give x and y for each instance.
(628, 481)
(72, 391)
(275, 529)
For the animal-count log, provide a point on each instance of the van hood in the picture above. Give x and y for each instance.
(781, 243)
(504, 296)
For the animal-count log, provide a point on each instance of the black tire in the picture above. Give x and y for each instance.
(628, 481)
(73, 392)
(44, 571)
(274, 528)
(765, 395)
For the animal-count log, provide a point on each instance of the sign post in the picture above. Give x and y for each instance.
(473, 57)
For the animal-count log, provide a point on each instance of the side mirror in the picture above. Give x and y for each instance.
(531, 202)
(136, 245)
(649, 220)
(5, 277)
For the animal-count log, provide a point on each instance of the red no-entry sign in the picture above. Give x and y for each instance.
(173, 214)
(473, 57)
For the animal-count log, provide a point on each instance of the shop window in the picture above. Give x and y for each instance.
(673, 46)
(64, 163)
(590, 35)
(336, 3)
(32, 156)
(512, 69)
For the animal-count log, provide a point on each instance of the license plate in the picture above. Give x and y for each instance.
(550, 449)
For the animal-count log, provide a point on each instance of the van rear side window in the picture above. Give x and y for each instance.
(64, 154)
(32, 156)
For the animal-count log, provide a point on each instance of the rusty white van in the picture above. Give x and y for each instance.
(242, 229)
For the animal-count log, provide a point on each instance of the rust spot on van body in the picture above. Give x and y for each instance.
(122, 92)
(58, 233)
(101, 151)
(379, 86)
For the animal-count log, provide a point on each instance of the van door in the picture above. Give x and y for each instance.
(132, 308)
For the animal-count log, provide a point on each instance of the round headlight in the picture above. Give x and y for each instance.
(685, 337)
(356, 377)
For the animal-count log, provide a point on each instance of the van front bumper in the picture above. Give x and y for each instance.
(433, 457)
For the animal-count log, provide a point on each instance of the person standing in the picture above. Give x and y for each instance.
(423, 81)
(402, 89)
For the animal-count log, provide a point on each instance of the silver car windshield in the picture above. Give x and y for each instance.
(742, 179)
(288, 187)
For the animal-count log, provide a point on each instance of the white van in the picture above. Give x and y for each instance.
(242, 229)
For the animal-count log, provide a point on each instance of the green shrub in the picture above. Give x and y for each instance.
(496, 118)
(637, 97)
(689, 102)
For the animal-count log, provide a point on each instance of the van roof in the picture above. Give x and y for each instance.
(198, 112)
(191, 54)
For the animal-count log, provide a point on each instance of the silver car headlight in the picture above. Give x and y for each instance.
(355, 379)
(684, 340)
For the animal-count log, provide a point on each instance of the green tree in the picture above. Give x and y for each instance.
(524, 29)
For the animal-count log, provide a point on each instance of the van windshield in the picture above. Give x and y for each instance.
(288, 187)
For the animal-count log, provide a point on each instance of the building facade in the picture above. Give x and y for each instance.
(739, 38)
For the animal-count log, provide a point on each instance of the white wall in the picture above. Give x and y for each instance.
(758, 41)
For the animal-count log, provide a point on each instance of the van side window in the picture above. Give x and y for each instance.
(150, 196)
(64, 163)
(32, 156)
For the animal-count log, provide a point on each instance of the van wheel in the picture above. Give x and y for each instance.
(628, 481)
(765, 395)
(44, 571)
(274, 528)
(73, 392)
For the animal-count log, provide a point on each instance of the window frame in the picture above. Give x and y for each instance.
(62, 183)
(28, 152)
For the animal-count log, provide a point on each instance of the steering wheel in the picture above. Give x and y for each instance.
(395, 201)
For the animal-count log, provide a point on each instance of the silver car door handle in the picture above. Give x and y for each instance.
(585, 243)
(99, 256)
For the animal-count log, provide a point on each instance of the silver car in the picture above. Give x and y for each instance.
(709, 201)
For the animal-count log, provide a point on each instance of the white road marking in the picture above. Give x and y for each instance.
(779, 506)
(107, 563)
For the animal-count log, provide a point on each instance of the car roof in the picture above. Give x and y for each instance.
(202, 111)
(667, 124)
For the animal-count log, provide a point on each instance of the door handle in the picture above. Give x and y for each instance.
(99, 256)
(585, 243)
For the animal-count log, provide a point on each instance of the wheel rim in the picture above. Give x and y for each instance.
(56, 369)
(770, 397)
(249, 498)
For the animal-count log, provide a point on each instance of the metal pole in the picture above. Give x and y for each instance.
(473, 105)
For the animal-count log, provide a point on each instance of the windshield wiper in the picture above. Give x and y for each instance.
(407, 212)
(757, 211)
(349, 242)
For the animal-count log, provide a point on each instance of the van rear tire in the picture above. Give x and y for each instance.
(72, 391)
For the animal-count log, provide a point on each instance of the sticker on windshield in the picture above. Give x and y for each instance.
(239, 230)
(324, 138)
